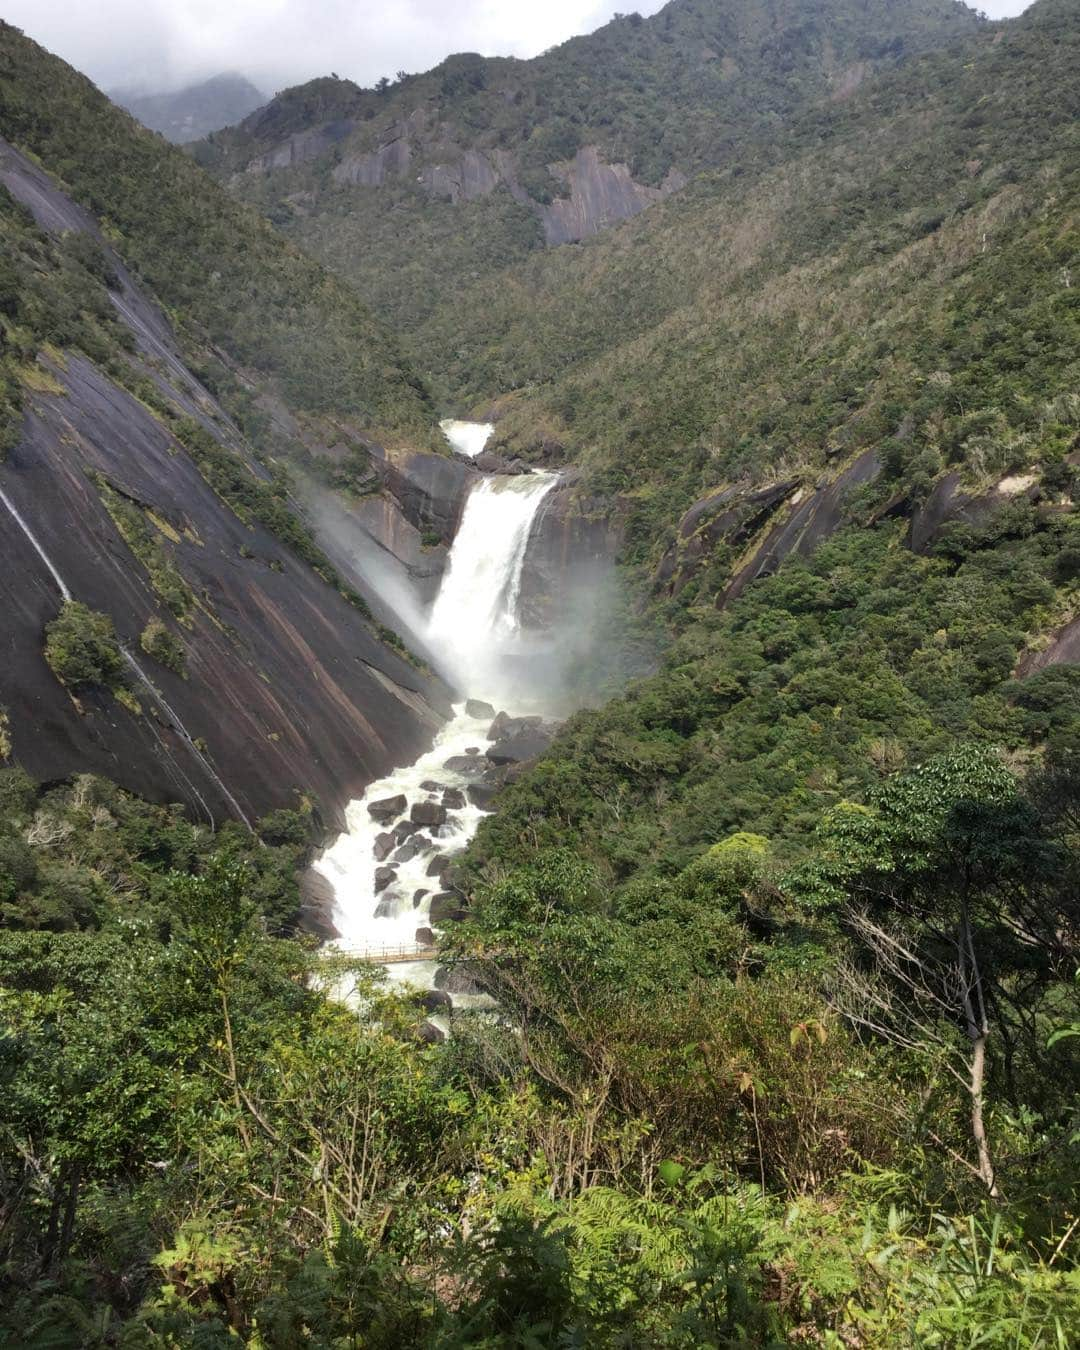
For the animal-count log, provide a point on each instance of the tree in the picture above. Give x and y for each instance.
(953, 904)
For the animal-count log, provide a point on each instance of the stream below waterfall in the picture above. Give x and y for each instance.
(386, 870)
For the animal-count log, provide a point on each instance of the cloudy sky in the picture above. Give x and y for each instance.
(165, 43)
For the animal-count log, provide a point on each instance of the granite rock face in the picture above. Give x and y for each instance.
(288, 687)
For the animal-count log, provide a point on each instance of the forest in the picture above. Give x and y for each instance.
(780, 939)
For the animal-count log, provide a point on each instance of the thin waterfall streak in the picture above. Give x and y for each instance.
(185, 736)
(53, 570)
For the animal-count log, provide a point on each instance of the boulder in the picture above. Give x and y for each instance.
(424, 936)
(388, 809)
(520, 746)
(482, 794)
(436, 1000)
(505, 725)
(413, 848)
(384, 846)
(428, 813)
(453, 799)
(457, 980)
(446, 907)
(438, 865)
(404, 829)
(467, 765)
(431, 786)
(383, 877)
(476, 707)
(429, 1034)
(417, 897)
(390, 906)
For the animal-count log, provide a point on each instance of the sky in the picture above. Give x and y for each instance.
(163, 44)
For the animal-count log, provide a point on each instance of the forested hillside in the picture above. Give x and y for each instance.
(764, 1006)
(413, 189)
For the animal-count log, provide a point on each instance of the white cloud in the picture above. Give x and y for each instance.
(277, 42)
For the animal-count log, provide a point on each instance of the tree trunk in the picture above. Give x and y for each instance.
(978, 1128)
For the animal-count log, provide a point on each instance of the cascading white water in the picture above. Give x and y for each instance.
(468, 438)
(474, 622)
(472, 629)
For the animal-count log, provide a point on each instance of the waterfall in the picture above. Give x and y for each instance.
(61, 584)
(474, 622)
(467, 438)
(385, 871)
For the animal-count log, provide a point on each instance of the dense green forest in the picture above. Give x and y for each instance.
(783, 940)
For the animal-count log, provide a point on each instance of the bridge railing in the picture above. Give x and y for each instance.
(386, 956)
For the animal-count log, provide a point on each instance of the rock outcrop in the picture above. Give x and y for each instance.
(287, 689)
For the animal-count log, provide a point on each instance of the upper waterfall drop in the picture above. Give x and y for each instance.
(474, 624)
(467, 438)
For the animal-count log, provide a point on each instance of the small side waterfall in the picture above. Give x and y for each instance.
(386, 871)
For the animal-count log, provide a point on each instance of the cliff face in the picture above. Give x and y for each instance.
(288, 687)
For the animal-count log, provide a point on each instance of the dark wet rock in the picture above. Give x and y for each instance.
(425, 937)
(465, 764)
(482, 794)
(384, 845)
(472, 750)
(390, 906)
(388, 809)
(431, 786)
(438, 865)
(405, 829)
(453, 799)
(488, 461)
(446, 907)
(436, 1000)
(383, 877)
(418, 897)
(519, 748)
(428, 813)
(476, 707)
(429, 1034)
(457, 980)
(598, 195)
(413, 848)
(505, 725)
(317, 904)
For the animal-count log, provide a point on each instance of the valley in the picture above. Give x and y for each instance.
(539, 710)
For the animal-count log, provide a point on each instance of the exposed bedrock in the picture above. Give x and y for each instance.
(752, 529)
(287, 686)
(575, 539)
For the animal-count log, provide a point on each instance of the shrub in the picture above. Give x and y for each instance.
(81, 647)
(165, 647)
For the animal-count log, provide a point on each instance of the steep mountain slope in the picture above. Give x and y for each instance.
(863, 364)
(411, 189)
(870, 284)
(195, 111)
(228, 665)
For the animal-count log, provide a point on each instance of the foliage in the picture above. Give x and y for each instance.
(164, 646)
(268, 306)
(82, 648)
